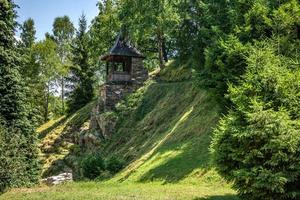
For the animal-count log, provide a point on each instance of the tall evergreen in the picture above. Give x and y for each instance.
(30, 71)
(28, 33)
(11, 86)
(81, 72)
(13, 109)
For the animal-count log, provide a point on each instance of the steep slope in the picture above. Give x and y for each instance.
(164, 134)
(58, 141)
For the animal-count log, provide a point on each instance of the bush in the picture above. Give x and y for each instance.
(18, 163)
(224, 63)
(92, 165)
(257, 145)
(114, 164)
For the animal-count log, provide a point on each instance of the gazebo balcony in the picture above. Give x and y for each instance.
(119, 77)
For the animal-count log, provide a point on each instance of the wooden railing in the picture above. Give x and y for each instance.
(119, 77)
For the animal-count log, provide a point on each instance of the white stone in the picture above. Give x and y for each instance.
(59, 179)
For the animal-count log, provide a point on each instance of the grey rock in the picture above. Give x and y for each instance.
(59, 179)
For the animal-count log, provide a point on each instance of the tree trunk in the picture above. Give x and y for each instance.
(164, 49)
(160, 50)
(46, 105)
(63, 95)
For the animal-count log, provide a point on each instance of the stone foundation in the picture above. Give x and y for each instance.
(112, 93)
(139, 72)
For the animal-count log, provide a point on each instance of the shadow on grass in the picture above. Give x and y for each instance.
(218, 197)
(66, 139)
(45, 132)
(168, 136)
(191, 150)
(177, 168)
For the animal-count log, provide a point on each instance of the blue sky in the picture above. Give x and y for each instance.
(44, 12)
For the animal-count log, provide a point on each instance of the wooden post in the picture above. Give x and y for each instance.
(107, 68)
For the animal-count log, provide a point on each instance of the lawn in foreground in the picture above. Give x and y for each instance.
(124, 191)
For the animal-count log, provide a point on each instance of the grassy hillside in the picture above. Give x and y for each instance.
(163, 133)
(57, 140)
(166, 134)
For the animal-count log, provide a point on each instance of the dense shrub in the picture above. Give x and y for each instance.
(16, 166)
(114, 164)
(92, 166)
(224, 63)
(257, 145)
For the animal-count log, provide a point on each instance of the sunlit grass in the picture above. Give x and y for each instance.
(49, 124)
(115, 191)
(56, 137)
(167, 136)
(133, 166)
(165, 139)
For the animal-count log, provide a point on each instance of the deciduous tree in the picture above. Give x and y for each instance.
(63, 31)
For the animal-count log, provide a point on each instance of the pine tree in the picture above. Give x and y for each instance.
(81, 72)
(13, 109)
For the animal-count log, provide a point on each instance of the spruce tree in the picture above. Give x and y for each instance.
(13, 109)
(28, 33)
(81, 77)
(30, 72)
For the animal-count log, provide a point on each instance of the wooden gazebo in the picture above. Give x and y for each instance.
(119, 61)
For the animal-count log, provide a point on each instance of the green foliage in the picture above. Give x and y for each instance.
(11, 161)
(82, 72)
(18, 158)
(257, 144)
(224, 63)
(45, 73)
(103, 32)
(114, 164)
(217, 34)
(63, 31)
(12, 95)
(17, 134)
(151, 25)
(30, 73)
(92, 165)
(28, 33)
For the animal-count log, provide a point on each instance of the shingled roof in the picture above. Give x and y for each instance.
(122, 47)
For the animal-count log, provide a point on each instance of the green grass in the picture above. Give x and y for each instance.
(115, 191)
(163, 133)
(166, 136)
(57, 138)
(174, 72)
